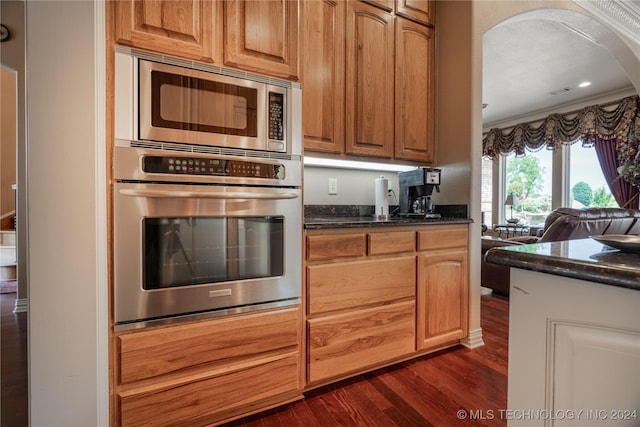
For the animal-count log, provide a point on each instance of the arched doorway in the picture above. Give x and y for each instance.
(487, 15)
(533, 63)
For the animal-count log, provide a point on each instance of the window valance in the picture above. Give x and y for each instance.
(618, 121)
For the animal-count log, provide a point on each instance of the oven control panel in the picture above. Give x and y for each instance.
(213, 167)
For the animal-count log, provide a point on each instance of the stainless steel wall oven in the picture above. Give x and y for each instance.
(204, 229)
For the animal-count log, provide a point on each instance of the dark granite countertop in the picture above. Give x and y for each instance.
(350, 216)
(583, 259)
(319, 222)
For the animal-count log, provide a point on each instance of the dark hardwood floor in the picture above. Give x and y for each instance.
(13, 364)
(454, 387)
(428, 391)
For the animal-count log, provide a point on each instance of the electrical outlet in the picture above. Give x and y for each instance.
(333, 186)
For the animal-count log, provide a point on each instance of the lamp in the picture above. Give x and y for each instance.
(512, 200)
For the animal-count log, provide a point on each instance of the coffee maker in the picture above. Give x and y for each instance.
(416, 187)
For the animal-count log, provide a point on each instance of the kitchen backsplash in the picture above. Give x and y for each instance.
(341, 210)
(354, 187)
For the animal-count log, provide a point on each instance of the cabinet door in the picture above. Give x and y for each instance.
(422, 11)
(370, 70)
(176, 27)
(442, 297)
(262, 36)
(323, 24)
(383, 4)
(414, 93)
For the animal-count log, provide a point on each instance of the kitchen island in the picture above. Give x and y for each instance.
(574, 334)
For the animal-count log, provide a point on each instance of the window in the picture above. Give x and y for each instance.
(529, 178)
(587, 185)
(486, 196)
(533, 178)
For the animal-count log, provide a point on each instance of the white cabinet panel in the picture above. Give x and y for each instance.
(574, 353)
(595, 369)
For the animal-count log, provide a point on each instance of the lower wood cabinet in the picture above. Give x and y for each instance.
(200, 399)
(375, 296)
(208, 371)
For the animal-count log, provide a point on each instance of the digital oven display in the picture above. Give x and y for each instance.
(212, 167)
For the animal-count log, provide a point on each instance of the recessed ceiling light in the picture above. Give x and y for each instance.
(584, 84)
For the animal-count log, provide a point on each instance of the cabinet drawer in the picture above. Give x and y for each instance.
(350, 342)
(444, 236)
(353, 284)
(336, 246)
(156, 352)
(391, 243)
(197, 401)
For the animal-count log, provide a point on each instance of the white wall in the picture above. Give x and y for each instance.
(64, 215)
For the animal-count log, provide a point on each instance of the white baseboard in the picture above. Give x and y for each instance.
(21, 305)
(473, 340)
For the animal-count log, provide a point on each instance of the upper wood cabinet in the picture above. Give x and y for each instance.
(258, 36)
(369, 81)
(385, 106)
(323, 26)
(422, 11)
(262, 36)
(175, 27)
(414, 91)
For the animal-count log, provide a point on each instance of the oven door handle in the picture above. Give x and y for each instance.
(206, 194)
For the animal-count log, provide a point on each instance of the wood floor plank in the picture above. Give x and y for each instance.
(13, 357)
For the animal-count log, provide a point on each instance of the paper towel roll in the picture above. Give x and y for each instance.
(382, 199)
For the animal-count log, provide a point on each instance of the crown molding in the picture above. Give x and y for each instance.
(623, 15)
(540, 115)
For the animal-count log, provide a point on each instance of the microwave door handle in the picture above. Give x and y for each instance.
(206, 194)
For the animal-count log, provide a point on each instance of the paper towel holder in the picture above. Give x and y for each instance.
(381, 212)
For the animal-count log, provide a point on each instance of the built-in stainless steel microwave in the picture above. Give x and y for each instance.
(161, 98)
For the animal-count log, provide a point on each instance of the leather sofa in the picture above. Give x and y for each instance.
(561, 224)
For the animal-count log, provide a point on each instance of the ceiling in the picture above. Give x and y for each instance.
(535, 65)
